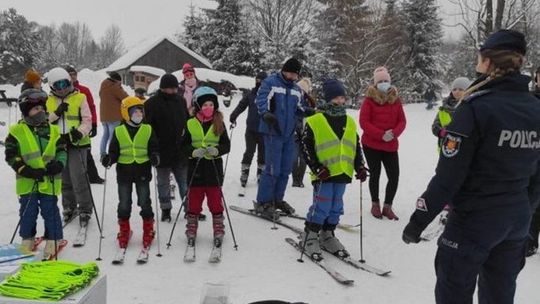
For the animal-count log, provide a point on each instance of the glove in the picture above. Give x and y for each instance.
(154, 160)
(388, 136)
(54, 167)
(93, 132)
(198, 153)
(323, 173)
(212, 151)
(76, 135)
(269, 118)
(411, 233)
(442, 133)
(232, 120)
(309, 111)
(106, 160)
(63, 107)
(36, 174)
(362, 173)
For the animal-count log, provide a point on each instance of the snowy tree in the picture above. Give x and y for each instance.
(193, 30)
(111, 46)
(226, 41)
(19, 46)
(423, 26)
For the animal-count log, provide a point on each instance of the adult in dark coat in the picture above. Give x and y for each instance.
(534, 229)
(254, 139)
(166, 112)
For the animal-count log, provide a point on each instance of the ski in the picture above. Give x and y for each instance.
(242, 191)
(80, 238)
(350, 261)
(143, 255)
(61, 245)
(332, 272)
(361, 265)
(346, 227)
(120, 254)
(215, 254)
(189, 255)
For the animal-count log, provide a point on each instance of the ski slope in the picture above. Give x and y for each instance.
(264, 266)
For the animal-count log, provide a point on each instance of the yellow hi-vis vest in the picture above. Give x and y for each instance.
(198, 138)
(444, 118)
(335, 154)
(33, 157)
(135, 150)
(71, 116)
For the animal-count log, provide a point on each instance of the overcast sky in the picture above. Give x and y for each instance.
(138, 20)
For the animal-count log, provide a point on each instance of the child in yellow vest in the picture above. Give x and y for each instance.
(332, 151)
(134, 147)
(37, 153)
(206, 140)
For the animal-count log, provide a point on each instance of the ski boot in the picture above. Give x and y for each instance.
(84, 218)
(219, 228)
(389, 213)
(68, 215)
(124, 233)
(192, 225)
(266, 210)
(148, 232)
(50, 250)
(166, 215)
(330, 243)
(285, 207)
(28, 244)
(376, 209)
(310, 236)
(244, 175)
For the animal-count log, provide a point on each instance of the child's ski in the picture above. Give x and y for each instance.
(61, 245)
(80, 238)
(215, 254)
(120, 254)
(189, 255)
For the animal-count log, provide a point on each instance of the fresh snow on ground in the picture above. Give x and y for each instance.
(265, 267)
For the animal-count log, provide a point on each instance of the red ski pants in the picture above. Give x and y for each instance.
(196, 197)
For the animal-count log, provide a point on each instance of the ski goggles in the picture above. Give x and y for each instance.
(61, 84)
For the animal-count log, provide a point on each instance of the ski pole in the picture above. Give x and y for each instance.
(317, 192)
(227, 158)
(157, 213)
(184, 200)
(90, 190)
(361, 228)
(225, 204)
(102, 213)
(34, 189)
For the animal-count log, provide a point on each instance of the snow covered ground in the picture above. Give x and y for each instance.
(265, 267)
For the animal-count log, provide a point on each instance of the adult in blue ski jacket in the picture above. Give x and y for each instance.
(280, 103)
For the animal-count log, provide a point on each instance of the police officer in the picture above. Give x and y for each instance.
(488, 169)
(534, 230)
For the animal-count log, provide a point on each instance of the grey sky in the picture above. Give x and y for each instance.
(138, 20)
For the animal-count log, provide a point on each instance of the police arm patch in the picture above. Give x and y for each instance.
(421, 204)
(451, 144)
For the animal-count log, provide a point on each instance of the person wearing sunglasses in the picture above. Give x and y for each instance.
(37, 153)
(69, 110)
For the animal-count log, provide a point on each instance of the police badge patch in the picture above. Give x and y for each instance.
(450, 145)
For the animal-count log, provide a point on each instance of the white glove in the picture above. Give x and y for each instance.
(212, 151)
(198, 153)
(388, 136)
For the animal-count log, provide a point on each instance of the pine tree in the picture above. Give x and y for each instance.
(193, 30)
(423, 26)
(19, 46)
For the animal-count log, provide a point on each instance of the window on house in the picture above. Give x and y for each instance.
(142, 78)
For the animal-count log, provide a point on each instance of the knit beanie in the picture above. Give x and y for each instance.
(461, 83)
(32, 76)
(168, 81)
(333, 88)
(380, 74)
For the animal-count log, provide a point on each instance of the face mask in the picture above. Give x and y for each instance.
(37, 119)
(136, 119)
(383, 86)
(207, 112)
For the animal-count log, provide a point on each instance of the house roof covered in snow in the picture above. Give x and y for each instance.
(146, 46)
(147, 69)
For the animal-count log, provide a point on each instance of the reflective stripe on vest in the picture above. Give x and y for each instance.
(337, 155)
(72, 116)
(135, 150)
(198, 138)
(33, 157)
